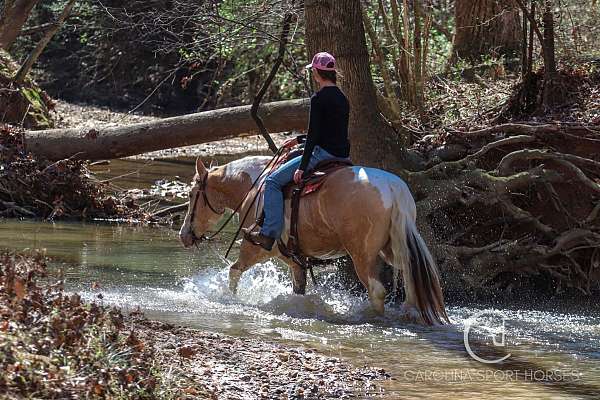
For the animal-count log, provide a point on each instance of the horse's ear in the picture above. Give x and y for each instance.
(213, 163)
(200, 168)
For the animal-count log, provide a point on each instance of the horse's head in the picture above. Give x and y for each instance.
(204, 209)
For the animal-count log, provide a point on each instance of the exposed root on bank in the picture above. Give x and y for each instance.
(524, 203)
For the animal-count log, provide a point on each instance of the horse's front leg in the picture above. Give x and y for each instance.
(249, 256)
(298, 276)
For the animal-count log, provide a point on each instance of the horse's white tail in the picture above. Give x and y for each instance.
(419, 271)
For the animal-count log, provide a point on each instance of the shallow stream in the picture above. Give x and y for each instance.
(551, 354)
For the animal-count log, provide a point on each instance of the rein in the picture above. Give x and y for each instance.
(202, 189)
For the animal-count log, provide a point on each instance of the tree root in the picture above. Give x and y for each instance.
(540, 187)
(13, 210)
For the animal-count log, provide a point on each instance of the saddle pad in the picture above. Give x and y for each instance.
(316, 178)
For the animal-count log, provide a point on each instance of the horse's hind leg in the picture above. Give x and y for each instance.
(367, 269)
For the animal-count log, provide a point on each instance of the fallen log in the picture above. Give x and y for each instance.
(123, 141)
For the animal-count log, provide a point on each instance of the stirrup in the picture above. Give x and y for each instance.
(267, 242)
(247, 234)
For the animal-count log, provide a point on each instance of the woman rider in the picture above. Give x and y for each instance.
(327, 138)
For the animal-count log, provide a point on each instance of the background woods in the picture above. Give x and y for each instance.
(490, 110)
(486, 28)
(13, 18)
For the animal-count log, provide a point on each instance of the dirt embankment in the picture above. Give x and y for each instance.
(508, 195)
(36, 188)
(54, 346)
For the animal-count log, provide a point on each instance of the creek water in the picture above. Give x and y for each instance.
(551, 354)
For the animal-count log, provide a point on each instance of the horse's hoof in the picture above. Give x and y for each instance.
(299, 289)
(410, 313)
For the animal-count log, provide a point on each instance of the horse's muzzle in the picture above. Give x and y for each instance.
(187, 239)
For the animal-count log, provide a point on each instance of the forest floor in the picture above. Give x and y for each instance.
(53, 345)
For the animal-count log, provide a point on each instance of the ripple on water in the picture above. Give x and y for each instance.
(340, 323)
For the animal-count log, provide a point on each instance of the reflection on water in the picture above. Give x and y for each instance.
(552, 355)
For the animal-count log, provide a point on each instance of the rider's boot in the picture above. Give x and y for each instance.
(258, 239)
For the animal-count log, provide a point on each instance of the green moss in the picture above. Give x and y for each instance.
(37, 111)
(33, 96)
(31, 105)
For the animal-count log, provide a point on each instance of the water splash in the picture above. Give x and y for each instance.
(257, 286)
(268, 288)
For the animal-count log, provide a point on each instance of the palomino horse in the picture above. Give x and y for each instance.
(364, 212)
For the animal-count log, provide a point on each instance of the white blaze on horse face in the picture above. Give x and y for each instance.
(185, 232)
(380, 180)
(252, 166)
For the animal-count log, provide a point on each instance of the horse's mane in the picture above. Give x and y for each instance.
(252, 165)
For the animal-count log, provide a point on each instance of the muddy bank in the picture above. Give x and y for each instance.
(54, 345)
(36, 188)
(240, 368)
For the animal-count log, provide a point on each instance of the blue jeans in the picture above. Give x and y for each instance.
(274, 219)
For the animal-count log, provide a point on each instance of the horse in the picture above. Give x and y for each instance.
(366, 213)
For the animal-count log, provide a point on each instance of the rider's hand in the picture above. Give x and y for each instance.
(298, 176)
(291, 142)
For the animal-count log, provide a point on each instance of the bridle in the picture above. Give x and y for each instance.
(202, 183)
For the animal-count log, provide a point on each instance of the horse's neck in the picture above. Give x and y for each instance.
(237, 178)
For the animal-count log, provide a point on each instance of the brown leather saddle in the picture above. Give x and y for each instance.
(310, 184)
(315, 179)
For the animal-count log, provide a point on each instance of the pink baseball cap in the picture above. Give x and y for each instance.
(323, 61)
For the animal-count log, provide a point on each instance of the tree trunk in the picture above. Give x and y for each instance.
(486, 27)
(336, 26)
(210, 126)
(35, 54)
(551, 95)
(13, 17)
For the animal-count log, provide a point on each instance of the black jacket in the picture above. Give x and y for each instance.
(328, 124)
